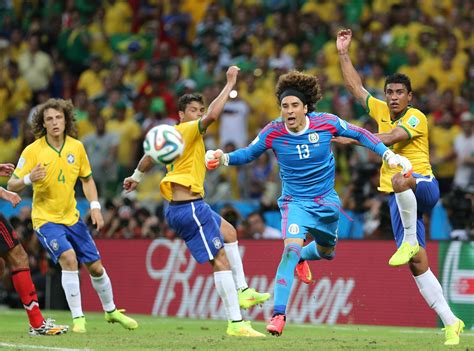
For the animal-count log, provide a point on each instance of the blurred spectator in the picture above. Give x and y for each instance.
(118, 17)
(20, 92)
(35, 65)
(102, 148)
(129, 135)
(74, 42)
(90, 79)
(443, 155)
(259, 230)
(459, 206)
(10, 147)
(464, 149)
(233, 123)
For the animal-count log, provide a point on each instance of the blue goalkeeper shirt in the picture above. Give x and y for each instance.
(305, 158)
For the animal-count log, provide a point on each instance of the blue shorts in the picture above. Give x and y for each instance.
(427, 195)
(199, 226)
(57, 238)
(319, 217)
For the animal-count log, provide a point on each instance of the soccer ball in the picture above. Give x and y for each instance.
(164, 144)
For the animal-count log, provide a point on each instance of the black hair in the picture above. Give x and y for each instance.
(398, 78)
(187, 99)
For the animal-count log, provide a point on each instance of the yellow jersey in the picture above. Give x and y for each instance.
(189, 170)
(53, 196)
(416, 149)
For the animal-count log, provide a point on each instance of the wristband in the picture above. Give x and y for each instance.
(27, 180)
(387, 154)
(137, 176)
(95, 204)
(225, 159)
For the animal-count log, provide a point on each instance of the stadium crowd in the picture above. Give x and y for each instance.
(125, 63)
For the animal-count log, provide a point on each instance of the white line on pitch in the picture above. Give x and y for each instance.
(4, 344)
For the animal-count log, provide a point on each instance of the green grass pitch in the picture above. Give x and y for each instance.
(156, 333)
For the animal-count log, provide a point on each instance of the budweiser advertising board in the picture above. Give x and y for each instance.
(160, 278)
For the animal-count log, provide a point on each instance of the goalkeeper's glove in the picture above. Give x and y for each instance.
(394, 160)
(216, 158)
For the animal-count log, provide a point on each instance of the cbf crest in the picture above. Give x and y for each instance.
(313, 138)
(70, 158)
(217, 243)
(54, 244)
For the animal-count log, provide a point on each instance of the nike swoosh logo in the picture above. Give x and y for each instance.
(74, 295)
(45, 164)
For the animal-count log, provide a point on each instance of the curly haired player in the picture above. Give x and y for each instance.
(301, 140)
(52, 164)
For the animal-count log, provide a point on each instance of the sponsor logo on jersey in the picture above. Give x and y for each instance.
(293, 229)
(54, 244)
(413, 121)
(21, 163)
(313, 137)
(217, 243)
(70, 158)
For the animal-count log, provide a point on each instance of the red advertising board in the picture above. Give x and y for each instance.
(358, 287)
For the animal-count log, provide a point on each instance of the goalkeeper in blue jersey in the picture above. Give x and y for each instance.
(301, 141)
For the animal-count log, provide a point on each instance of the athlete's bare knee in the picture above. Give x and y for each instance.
(400, 183)
(68, 260)
(220, 262)
(95, 268)
(17, 258)
(228, 232)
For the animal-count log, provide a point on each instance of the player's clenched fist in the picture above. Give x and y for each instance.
(232, 73)
(37, 173)
(6, 169)
(394, 160)
(215, 158)
(343, 41)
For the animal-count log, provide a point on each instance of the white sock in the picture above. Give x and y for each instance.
(233, 255)
(407, 206)
(226, 290)
(103, 286)
(70, 283)
(431, 290)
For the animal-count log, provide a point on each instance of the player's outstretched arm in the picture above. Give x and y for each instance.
(90, 191)
(37, 173)
(351, 77)
(130, 183)
(215, 159)
(396, 135)
(217, 105)
(10, 196)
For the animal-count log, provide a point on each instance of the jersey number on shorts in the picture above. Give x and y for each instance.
(61, 177)
(303, 151)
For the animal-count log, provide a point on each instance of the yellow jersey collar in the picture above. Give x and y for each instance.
(52, 147)
(401, 114)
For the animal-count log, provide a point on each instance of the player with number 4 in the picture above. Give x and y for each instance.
(301, 140)
(51, 165)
